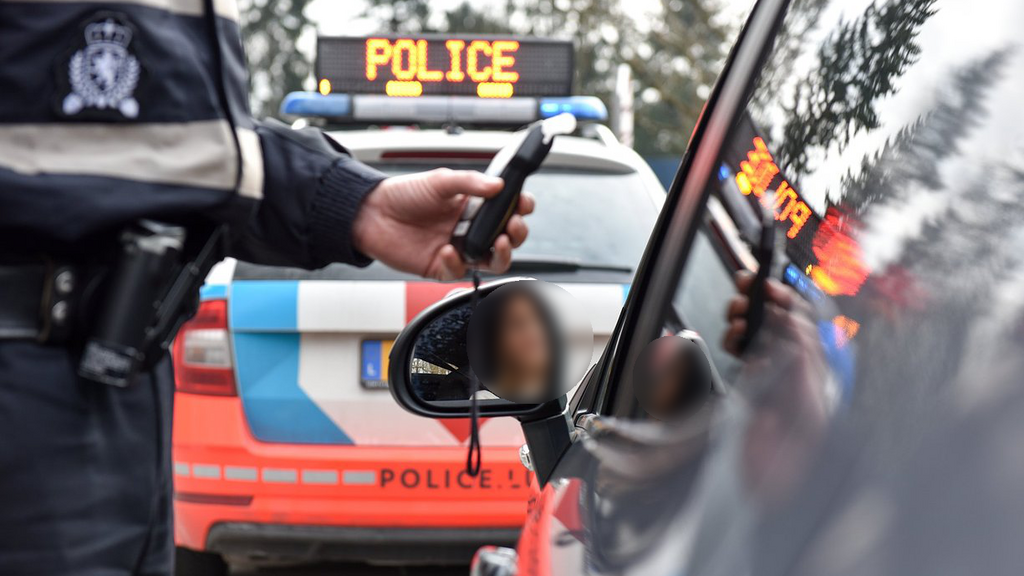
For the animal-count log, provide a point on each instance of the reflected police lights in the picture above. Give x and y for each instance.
(841, 269)
(425, 65)
(802, 284)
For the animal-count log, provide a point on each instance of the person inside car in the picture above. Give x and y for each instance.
(516, 344)
(673, 378)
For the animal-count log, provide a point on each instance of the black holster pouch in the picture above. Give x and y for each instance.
(152, 290)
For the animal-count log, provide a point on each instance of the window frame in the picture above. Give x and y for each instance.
(609, 390)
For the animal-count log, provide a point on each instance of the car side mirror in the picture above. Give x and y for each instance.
(675, 376)
(430, 375)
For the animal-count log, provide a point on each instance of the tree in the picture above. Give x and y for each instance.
(915, 152)
(858, 65)
(271, 31)
(675, 63)
(591, 24)
(588, 23)
(945, 273)
(400, 16)
(954, 252)
(800, 22)
(468, 20)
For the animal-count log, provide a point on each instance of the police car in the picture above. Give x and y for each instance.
(287, 445)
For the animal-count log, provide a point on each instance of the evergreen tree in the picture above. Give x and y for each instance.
(466, 19)
(271, 30)
(400, 16)
(675, 64)
(791, 41)
(914, 154)
(858, 64)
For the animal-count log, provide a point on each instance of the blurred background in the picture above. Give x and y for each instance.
(673, 49)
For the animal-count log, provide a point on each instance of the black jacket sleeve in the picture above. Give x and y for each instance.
(312, 191)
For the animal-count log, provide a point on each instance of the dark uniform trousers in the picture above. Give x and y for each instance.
(85, 479)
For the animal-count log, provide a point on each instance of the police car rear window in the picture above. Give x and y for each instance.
(600, 220)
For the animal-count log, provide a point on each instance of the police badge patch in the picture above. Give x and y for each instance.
(102, 74)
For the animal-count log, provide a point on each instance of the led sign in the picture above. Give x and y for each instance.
(755, 177)
(412, 66)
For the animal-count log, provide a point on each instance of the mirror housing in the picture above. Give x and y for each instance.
(401, 362)
(545, 426)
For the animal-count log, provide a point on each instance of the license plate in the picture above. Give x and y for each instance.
(373, 373)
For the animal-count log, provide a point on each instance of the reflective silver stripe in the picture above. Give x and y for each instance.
(245, 473)
(319, 477)
(181, 469)
(187, 153)
(359, 477)
(224, 8)
(252, 163)
(280, 475)
(206, 471)
(198, 153)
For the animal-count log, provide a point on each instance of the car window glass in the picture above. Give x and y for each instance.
(702, 297)
(887, 140)
(600, 220)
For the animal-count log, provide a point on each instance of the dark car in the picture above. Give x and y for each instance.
(872, 423)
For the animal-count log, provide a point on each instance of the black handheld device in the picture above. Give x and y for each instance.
(764, 252)
(483, 220)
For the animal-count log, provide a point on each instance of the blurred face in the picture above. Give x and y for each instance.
(670, 379)
(524, 352)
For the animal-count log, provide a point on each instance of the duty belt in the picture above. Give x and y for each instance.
(41, 302)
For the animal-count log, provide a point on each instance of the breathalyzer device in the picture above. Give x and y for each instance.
(483, 220)
(764, 252)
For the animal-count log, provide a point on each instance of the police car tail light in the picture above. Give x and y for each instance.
(202, 353)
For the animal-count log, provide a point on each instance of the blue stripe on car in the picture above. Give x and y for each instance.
(213, 291)
(262, 305)
(276, 409)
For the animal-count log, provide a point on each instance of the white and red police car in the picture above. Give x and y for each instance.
(287, 444)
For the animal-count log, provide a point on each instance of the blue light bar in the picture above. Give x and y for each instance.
(380, 108)
(804, 285)
(582, 107)
(315, 104)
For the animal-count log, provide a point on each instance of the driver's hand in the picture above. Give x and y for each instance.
(778, 297)
(407, 221)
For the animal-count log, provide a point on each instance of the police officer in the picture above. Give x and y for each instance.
(124, 128)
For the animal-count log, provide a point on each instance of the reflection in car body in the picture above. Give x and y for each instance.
(875, 425)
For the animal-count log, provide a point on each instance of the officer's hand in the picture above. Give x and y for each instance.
(407, 221)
